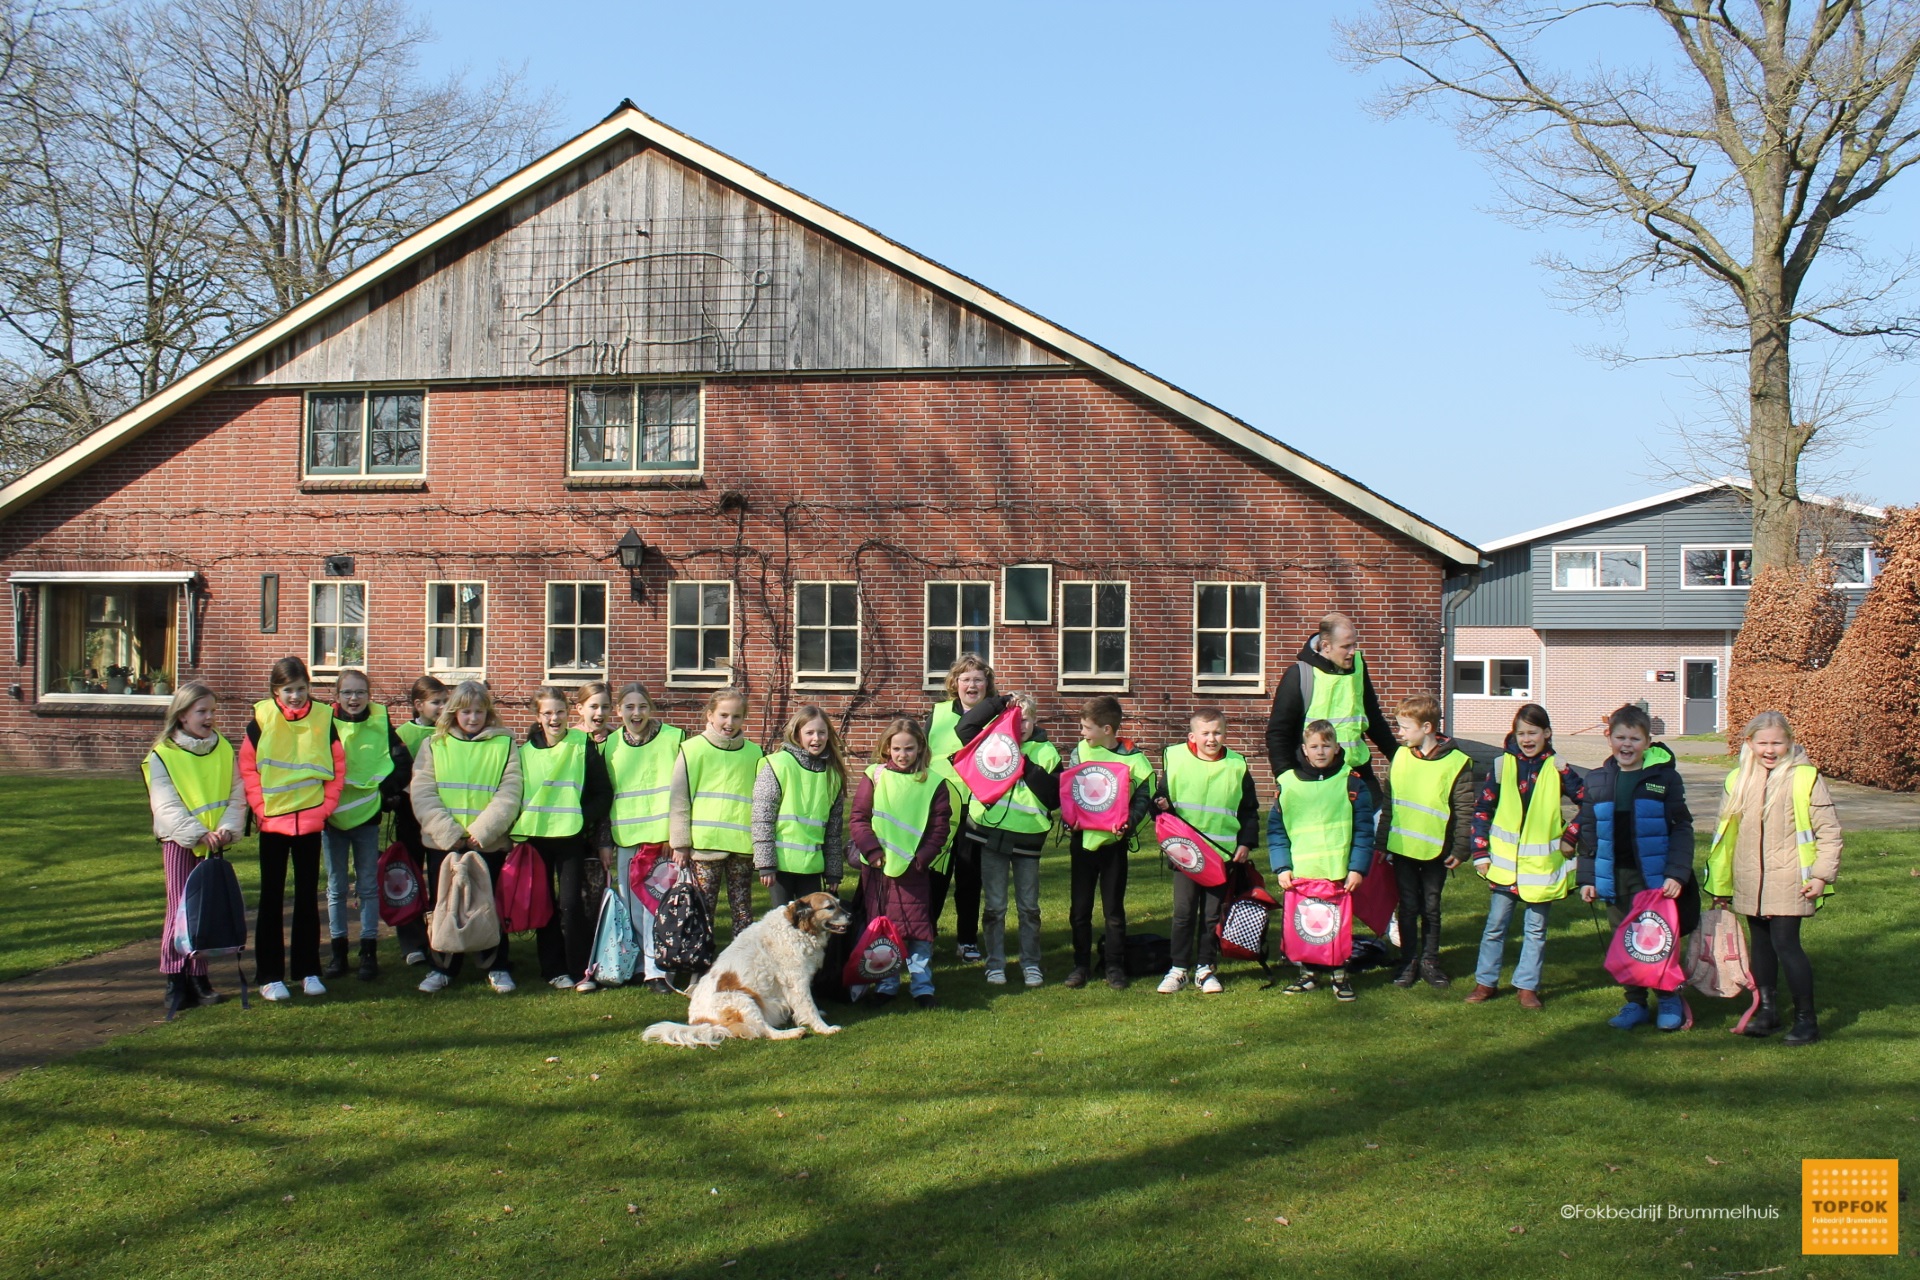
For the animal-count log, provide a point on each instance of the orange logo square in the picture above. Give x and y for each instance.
(1849, 1206)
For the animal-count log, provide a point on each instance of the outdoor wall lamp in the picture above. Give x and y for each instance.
(632, 552)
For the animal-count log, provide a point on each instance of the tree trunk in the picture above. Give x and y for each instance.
(1773, 451)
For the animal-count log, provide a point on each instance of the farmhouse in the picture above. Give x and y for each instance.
(640, 412)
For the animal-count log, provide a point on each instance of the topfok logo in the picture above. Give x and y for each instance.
(998, 758)
(1648, 939)
(399, 887)
(1316, 920)
(879, 959)
(1183, 853)
(1095, 791)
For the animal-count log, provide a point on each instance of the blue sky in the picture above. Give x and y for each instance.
(1201, 189)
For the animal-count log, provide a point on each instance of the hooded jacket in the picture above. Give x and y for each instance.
(1522, 771)
(1766, 853)
(1459, 837)
(1636, 841)
(439, 829)
(1359, 795)
(1287, 723)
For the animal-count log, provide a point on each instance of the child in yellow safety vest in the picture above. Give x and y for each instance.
(969, 683)
(1775, 854)
(1210, 788)
(640, 758)
(563, 796)
(1522, 848)
(800, 807)
(711, 820)
(424, 704)
(199, 802)
(1099, 858)
(1427, 822)
(1008, 836)
(378, 769)
(1321, 828)
(897, 827)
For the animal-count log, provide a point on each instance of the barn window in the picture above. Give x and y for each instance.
(826, 635)
(336, 626)
(109, 640)
(576, 630)
(1026, 595)
(1093, 636)
(1229, 637)
(457, 628)
(1599, 568)
(626, 426)
(959, 620)
(360, 433)
(700, 633)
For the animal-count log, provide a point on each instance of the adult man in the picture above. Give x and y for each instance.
(1328, 681)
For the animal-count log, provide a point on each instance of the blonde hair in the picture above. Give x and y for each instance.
(468, 693)
(1320, 729)
(883, 745)
(183, 699)
(593, 689)
(1421, 708)
(805, 714)
(966, 662)
(728, 694)
(1750, 776)
(652, 718)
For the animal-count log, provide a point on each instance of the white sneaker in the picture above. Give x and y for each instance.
(275, 991)
(416, 957)
(500, 980)
(312, 987)
(1032, 974)
(1176, 978)
(585, 985)
(998, 977)
(560, 983)
(435, 981)
(968, 953)
(1209, 982)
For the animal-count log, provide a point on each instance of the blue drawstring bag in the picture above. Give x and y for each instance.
(616, 951)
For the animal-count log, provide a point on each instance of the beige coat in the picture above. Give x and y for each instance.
(439, 829)
(1766, 857)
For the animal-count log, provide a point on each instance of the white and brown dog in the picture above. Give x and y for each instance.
(762, 980)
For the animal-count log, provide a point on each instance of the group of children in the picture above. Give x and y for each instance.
(599, 775)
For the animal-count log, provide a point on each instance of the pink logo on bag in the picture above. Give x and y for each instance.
(990, 765)
(1645, 949)
(1191, 853)
(1319, 923)
(878, 953)
(650, 874)
(1095, 796)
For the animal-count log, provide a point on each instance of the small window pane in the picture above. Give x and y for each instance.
(943, 605)
(1573, 570)
(1620, 569)
(686, 648)
(1246, 653)
(1213, 653)
(976, 604)
(1513, 677)
(980, 642)
(813, 605)
(593, 647)
(1076, 605)
(471, 650)
(442, 600)
(1470, 677)
(1246, 607)
(560, 647)
(560, 599)
(334, 431)
(1706, 568)
(473, 603)
(941, 653)
(714, 650)
(1111, 610)
(813, 650)
(393, 431)
(1077, 650)
(846, 605)
(1213, 607)
(1743, 567)
(844, 650)
(1112, 647)
(326, 603)
(353, 603)
(593, 603)
(686, 602)
(1028, 587)
(714, 601)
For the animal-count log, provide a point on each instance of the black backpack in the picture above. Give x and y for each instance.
(1147, 954)
(213, 915)
(682, 929)
(826, 983)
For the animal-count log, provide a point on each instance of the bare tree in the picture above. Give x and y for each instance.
(1726, 166)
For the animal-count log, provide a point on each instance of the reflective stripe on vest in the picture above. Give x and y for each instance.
(369, 762)
(1020, 809)
(1341, 699)
(1206, 793)
(413, 734)
(552, 782)
(1523, 838)
(294, 757)
(203, 783)
(720, 785)
(1727, 834)
(642, 779)
(902, 804)
(1422, 793)
(1319, 821)
(1139, 774)
(800, 827)
(467, 772)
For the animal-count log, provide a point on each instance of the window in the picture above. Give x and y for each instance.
(624, 426)
(108, 639)
(700, 633)
(959, 620)
(336, 626)
(1026, 595)
(576, 630)
(1730, 566)
(1493, 677)
(359, 433)
(457, 627)
(1856, 564)
(1599, 568)
(1093, 635)
(826, 635)
(1229, 636)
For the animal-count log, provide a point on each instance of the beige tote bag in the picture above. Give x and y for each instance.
(463, 918)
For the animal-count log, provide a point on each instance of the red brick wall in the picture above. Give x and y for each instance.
(892, 480)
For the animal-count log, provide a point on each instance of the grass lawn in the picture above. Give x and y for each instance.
(1011, 1134)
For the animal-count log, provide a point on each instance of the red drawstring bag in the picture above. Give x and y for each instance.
(1095, 796)
(1645, 951)
(1378, 896)
(990, 765)
(650, 874)
(401, 898)
(878, 953)
(1318, 923)
(525, 900)
(1190, 852)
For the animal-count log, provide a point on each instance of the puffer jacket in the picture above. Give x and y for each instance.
(1766, 853)
(439, 829)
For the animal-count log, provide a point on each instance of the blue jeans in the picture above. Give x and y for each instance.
(363, 842)
(1493, 942)
(919, 972)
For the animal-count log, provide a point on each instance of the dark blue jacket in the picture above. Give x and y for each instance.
(1653, 825)
(1360, 855)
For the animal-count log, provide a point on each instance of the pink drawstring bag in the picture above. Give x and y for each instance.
(1318, 923)
(878, 953)
(990, 765)
(1717, 962)
(1096, 796)
(525, 900)
(1191, 853)
(650, 874)
(1378, 896)
(1645, 951)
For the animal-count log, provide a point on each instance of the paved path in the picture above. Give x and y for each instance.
(75, 1006)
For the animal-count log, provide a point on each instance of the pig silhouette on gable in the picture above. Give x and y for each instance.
(672, 298)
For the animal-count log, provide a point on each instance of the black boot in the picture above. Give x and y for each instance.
(1806, 1028)
(203, 988)
(369, 959)
(180, 994)
(1766, 1019)
(337, 963)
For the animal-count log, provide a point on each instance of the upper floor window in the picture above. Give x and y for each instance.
(1730, 566)
(1093, 635)
(1856, 564)
(959, 620)
(457, 627)
(1599, 568)
(1229, 636)
(361, 433)
(826, 635)
(336, 626)
(626, 426)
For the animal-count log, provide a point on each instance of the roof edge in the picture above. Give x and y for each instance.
(1661, 499)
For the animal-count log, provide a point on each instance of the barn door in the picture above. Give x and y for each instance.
(1702, 676)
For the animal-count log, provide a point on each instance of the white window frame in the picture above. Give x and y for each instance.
(366, 469)
(677, 470)
(938, 679)
(1095, 682)
(1867, 565)
(702, 677)
(574, 675)
(1726, 548)
(45, 584)
(1487, 681)
(830, 679)
(429, 626)
(1598, 551)
(321, 672)
(1046, 621)
(1204, 682)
